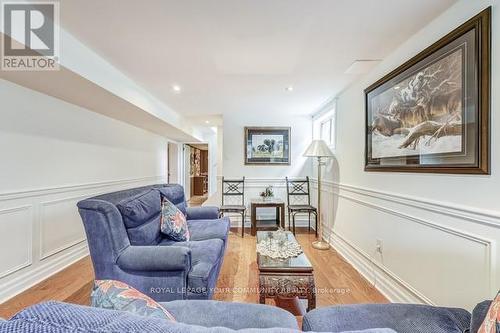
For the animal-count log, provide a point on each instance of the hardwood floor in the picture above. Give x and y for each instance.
(72, 284)
(337, 282)
(197, 200)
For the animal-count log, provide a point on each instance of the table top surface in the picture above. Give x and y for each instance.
(293, 264)
(269, 201)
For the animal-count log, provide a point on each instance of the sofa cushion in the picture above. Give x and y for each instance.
(478, 315)
(139, 208)
(55, 317)
(491, 323)
(116, 295)
(173, 222)
(209, 229)
(141, 216)
(174, 194)
(205, 257)
(403, 318)
(230, 314)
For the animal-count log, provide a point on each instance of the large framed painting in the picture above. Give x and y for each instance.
(432, 113)
(267, 145)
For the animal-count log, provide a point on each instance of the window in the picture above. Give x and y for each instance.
(324, 125)
(325, 131)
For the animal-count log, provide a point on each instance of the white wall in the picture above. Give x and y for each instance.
(439, 232)
(260, 176)
(234, 141)
(212, 162)
(53, 154)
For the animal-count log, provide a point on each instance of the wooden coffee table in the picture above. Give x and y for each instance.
(287, 278)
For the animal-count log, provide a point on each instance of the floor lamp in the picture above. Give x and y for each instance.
(320, 150)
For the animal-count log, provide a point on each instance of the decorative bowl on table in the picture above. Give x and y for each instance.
(278, 246)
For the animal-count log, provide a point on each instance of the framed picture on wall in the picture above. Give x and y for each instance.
(432, 113)
(267, 145)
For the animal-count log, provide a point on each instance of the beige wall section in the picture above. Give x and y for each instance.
(54, 154)
(440, 233)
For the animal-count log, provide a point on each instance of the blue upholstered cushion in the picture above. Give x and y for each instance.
(139, 208)
(54, 317)
(209, 229)
(491, 322)
(141, 215)
(173, 222)
(230, 314)
(478, 315)
(403, 318)
(116, 295)
(205, 257)
(175, 194)
(203, 213)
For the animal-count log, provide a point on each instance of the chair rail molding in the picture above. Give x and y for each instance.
(10, 195)
(485, 217)
(449, 224)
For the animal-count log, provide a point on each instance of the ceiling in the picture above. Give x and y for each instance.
(241, 55)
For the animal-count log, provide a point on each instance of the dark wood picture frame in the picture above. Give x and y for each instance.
(479, 107)
(264, 160)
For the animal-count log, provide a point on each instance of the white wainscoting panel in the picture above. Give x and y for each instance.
(433, 253)
(16, 229)
(41, 231)
(60, 226)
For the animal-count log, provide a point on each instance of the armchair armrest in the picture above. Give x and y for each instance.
(478, 315)
(202, 213)
(155, 258)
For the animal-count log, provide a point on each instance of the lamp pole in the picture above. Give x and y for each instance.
(320, 150)
(319, 243)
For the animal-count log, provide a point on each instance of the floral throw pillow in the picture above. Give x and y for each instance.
(116, 295)
(491, 323)
(173, 222)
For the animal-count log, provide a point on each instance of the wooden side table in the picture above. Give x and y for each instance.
(270, 203)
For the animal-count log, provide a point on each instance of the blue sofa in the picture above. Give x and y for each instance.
(402, 318)
(125, 242)
(191, 317)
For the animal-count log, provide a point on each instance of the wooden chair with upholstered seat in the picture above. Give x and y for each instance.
(232, 189)
(296, 190)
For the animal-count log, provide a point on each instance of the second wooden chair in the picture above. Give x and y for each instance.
(299, 189)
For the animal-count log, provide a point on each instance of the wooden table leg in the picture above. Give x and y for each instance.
(262, 295)
(282, 217)
(253, 229)
(278, 220)
(311, 295)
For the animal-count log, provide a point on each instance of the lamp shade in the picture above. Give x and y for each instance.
(318, 148)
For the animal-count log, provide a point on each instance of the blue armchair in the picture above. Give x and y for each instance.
(125, 242)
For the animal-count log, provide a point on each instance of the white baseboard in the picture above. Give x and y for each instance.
(389, 284)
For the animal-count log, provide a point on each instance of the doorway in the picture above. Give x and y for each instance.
(173, 163)
(197, 173)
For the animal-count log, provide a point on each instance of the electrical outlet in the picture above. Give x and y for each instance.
(379, 246)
